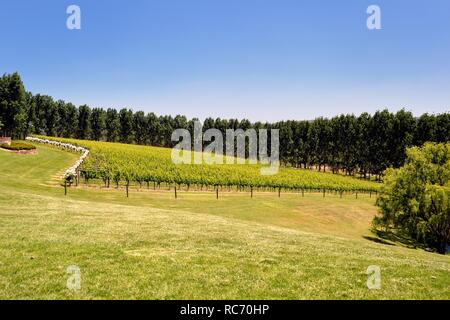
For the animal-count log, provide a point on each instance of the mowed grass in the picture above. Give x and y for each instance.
(152, 246)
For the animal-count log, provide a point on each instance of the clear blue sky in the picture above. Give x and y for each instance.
(259, 59)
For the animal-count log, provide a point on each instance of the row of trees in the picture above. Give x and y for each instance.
(366, 144)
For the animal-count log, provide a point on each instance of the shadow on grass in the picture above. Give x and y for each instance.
(378, 240)
(391, 238)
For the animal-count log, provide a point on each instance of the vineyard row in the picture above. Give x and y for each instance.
(115, 163)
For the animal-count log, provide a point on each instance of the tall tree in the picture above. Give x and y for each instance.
(425, 129)
(71, 125)
(286, 141)
(112, 125)
(166, 129)
(62, 116)
(348, 142)
(97, 124)
(31, 114)
(126, 126)
(13, 111)
(153, 129)
(302, 147)
(36, 115)
(51, 116)
(442, 133)
(379, 133)
(140, 127)
(403, 128)
(47, 118)
(68, 119)
(363, 141)
(320, 135)
(415, 199)
(84, 125)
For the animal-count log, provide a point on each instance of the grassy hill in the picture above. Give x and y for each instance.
(195, 247)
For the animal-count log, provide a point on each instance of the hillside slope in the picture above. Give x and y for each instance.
(153, 246)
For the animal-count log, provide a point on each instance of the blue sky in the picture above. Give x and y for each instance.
(263, 60)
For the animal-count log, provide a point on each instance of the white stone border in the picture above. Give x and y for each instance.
(72, 171)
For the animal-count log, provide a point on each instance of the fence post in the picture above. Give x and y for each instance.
(217, 193)
(65, 187)
(78, 176)
(175, 191)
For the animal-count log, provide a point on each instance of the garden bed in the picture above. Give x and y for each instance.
(19, 147)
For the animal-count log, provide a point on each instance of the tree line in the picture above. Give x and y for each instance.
(365, 144)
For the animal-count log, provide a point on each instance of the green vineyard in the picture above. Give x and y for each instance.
(118, 164)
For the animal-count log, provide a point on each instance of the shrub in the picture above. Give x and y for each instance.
(415, 199)
(18, 145)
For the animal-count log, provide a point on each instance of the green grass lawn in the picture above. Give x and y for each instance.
(152, 246)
